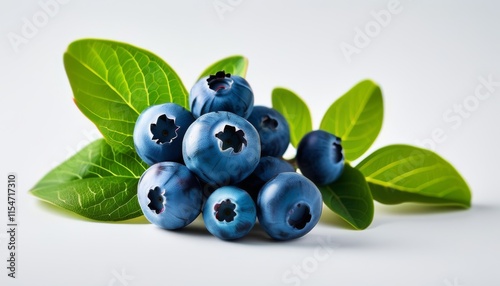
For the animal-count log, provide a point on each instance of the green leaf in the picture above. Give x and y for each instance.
(235, 65)
(97, 182)
(402, 173)
(350, 198)
(295, 111)
(356, 117)
(113, 82)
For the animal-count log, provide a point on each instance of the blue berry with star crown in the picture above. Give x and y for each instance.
(221, 148)
(170, 196)
(289, 206)
(229, 213)
(273, 129)
(159, 131)
(320, 157)
(221, 92)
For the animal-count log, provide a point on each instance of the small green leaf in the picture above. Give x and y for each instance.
(402, 173)
(113, 82)
(97, 183)
(295, 111)
(235, 65)
(350, 198)
(356, 117)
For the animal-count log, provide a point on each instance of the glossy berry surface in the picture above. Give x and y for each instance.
(229, 213)
(170, 195)
(289, 206)
(221, 92)
(221, 148)
(273, 129)
(320, 157)
(268, 168)
(159, 131)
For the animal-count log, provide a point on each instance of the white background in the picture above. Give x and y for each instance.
(427, 58)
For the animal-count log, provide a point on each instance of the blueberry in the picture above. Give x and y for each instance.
(289, 206)
(320, 157)
(170, 195)
(159, 131)
(268, 168)
(229, 213)
(221, 148)
(221, 92)
(273, 130)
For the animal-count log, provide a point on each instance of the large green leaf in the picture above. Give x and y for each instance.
(350, 198)
(97, 183)
(295, 111)
(235, 65)
(402, 173)
(113, 82)
(356, 117)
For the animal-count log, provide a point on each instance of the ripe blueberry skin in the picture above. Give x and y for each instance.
(229, 213)
(289, 206)
(221, 92)
(273, 129)
(221, 148)
(159, 131)
(320, 157)
(170, 195)
(268, 168)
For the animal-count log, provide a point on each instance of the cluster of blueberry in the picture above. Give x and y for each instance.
(223, 159)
